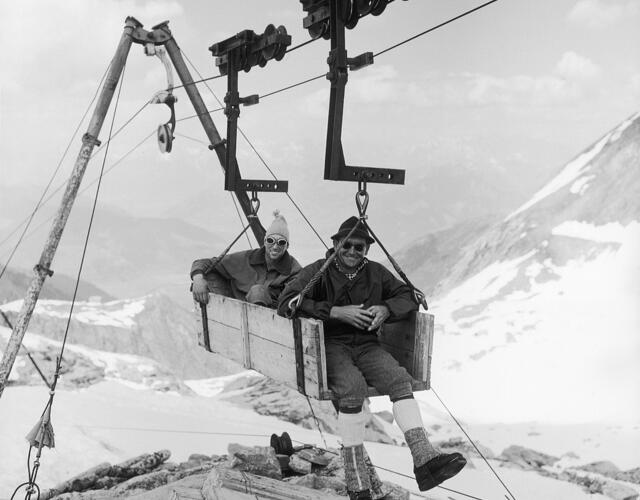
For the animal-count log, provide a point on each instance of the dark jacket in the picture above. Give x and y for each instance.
(241, 270)
(374, 285)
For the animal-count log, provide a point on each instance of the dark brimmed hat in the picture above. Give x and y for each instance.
(347, 226)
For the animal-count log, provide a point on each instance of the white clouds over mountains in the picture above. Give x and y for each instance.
(598, 14)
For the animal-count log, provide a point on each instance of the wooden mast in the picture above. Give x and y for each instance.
(89, 141)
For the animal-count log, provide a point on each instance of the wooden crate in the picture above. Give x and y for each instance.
(257, 338)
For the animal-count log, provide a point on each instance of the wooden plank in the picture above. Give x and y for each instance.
(231, 484)
(279, 363)
(225, 310)
(264, 322)
(226, 341)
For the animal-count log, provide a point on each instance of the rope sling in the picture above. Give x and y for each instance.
(362, 202)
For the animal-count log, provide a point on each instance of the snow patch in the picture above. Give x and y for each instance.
(117, 313)
(581, 185)
(611, 232)
(571, 171)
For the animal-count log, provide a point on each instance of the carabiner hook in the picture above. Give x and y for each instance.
(362, 199)
(255, 204)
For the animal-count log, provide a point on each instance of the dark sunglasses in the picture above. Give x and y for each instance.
(281, 242)
(358, 247)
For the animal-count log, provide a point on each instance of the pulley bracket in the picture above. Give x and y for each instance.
(242, 52)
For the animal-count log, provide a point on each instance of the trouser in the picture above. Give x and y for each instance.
(356, 361)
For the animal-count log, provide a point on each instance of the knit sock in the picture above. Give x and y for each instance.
(421, 449)
(351, 428)
(355, 469)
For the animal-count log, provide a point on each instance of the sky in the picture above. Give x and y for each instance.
(517, 85)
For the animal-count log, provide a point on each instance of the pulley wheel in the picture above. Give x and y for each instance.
(282, 47)
(378, 7)
(364, 7)
(354, 17)
(270, 50)
(165, 138)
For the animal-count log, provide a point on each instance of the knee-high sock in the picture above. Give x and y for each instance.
(351, 428)
(407, 415)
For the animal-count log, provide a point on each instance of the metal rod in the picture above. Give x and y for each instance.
(89, 140)
(212, 132)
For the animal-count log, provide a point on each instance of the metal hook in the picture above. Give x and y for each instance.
(255, 204)
(362, 198)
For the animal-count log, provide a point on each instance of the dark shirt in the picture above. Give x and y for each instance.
(242, 270)
(374, 285)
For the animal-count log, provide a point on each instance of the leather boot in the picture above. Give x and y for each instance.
(356, 474)
(438, 469)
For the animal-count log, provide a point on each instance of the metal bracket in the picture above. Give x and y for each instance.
(335, 167)
(242, 52)
(297, 342)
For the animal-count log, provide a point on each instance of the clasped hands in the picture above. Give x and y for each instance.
(356, 315)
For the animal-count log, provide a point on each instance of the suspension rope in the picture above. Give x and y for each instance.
(53, 176)
(296, 301)
(295, 47)
(44, 430)
(435, 27)
(235, 203)
(63, 184)
(246, 138)
(317, 422)
(86, 187)
(472, 442)
(202, 80)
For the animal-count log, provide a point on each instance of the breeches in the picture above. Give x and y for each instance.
(357, 361)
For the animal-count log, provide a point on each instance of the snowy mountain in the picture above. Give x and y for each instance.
(537, 314)
(152, 326)
(127, 255)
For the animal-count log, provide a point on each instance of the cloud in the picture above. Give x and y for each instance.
(570, 80)
(54, 38)
(597, 14)
(576, 67)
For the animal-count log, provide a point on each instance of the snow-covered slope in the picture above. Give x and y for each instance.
(537, 317)
(152, 326)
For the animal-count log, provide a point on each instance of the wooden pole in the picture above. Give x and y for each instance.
(218, 145)
(89, 141)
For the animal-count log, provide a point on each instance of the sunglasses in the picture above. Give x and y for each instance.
(281, 242)
(358, 247)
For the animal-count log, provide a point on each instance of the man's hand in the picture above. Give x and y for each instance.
(200, 289)
(353, 315)
(379, 314)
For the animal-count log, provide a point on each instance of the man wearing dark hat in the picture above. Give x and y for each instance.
(354, 297)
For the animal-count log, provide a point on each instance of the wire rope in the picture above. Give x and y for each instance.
(246, 138)
(63, 184)
(472, 442)
(466, 13)
(120, 160)
(53, 176)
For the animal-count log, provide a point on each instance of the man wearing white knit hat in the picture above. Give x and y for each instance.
(257, 276)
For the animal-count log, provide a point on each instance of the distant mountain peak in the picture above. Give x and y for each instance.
(576, 172)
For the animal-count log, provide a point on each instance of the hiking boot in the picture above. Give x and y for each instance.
(438, 469)
(359, 495)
